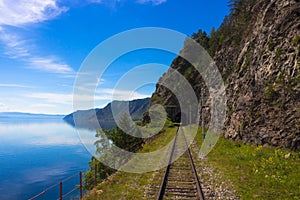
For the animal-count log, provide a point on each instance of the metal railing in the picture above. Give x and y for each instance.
(63, 195)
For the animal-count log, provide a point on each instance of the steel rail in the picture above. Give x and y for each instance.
(164, 180)
(198, 185)
(167, 171)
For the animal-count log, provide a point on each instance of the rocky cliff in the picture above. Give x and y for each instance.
(257, 52)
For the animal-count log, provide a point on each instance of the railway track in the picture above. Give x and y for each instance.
(180, 180)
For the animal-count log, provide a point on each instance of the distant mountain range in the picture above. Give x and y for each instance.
(26, 115)
(92, 118)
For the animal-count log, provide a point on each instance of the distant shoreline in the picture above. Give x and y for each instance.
(20, 114)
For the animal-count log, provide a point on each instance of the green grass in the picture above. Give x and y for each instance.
(257, 172)
(252, 172)
(124, 185)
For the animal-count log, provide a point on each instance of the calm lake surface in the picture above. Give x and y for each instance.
(36, 153)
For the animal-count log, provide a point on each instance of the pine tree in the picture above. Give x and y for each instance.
(202, 38)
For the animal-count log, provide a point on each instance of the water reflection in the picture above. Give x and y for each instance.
(36, 153)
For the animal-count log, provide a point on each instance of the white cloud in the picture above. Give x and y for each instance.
(15, 47)
(103, 94)
(89, 99)
(100, 81)
(14, 85)
(57, 103)
(20, 12)
(113, 94)
(50, 65)
(153, 2)
(43, 105)
(52, 98)
(3, 107)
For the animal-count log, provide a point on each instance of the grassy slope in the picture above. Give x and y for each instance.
(255, 172)
(124, 185)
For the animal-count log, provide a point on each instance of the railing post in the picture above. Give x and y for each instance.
(80, 186)
(60, 191)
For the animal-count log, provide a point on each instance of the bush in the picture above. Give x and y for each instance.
(117, 137)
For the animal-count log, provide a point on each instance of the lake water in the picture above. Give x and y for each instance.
(37, 153)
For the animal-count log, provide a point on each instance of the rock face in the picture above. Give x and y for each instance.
(259, 62)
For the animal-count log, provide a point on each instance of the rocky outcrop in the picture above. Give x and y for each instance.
(260, 69)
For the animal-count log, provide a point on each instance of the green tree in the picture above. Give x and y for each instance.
(127, 136)
(214, 42)
(102, 144)
(202, 38)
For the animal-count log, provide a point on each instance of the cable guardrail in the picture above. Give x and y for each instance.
(60, 184)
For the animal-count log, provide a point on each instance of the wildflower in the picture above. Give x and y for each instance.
(287, 155)
(259, 148)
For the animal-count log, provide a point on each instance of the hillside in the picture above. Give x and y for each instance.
(257, 52)
(87, 119)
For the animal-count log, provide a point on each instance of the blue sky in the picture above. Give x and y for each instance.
(44, 42)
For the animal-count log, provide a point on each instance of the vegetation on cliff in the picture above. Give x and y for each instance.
(257, 52)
